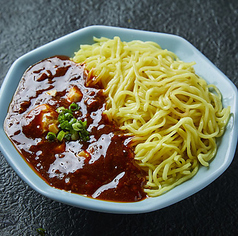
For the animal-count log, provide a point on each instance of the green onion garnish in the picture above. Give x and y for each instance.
(64, 125)
(72, 121)
(68, 136)
(68, 116)
(70, 127)
(78, 126)
(74, 135)
(81, 128)
(51, 136)
(61, 135)
(60, 109)
(74, 107)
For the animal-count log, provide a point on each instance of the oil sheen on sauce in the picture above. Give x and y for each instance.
(102, 167)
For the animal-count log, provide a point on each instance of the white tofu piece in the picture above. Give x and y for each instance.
(40, 119)
(74, 95)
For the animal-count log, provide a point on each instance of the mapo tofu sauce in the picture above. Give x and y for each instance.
(100, 167)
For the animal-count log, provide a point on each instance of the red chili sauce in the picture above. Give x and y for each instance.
(102, 167)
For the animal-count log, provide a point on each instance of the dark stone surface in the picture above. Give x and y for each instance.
(211, 26)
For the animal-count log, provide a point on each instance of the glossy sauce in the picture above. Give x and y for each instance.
(101, 168)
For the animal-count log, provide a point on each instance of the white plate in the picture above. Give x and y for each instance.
(67, 45)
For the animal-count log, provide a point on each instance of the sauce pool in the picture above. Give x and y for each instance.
(101, 168)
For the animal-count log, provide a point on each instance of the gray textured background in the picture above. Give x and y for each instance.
(211, 26)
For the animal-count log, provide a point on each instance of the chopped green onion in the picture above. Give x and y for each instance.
(61, 135)
(74, 135)
(60, 109)
(51, 136)
(74, 107)
(81, 127)
(72, 121)
(68, 136)
(70, 127)
(61, 117)
(77, 126)
(85, 136)
(65, 125)
(68, 116)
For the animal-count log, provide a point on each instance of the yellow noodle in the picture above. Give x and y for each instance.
(172, 113)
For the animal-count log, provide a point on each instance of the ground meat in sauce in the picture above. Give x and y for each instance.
(101, 168)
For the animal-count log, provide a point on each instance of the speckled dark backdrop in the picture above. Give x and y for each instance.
(209, 25)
